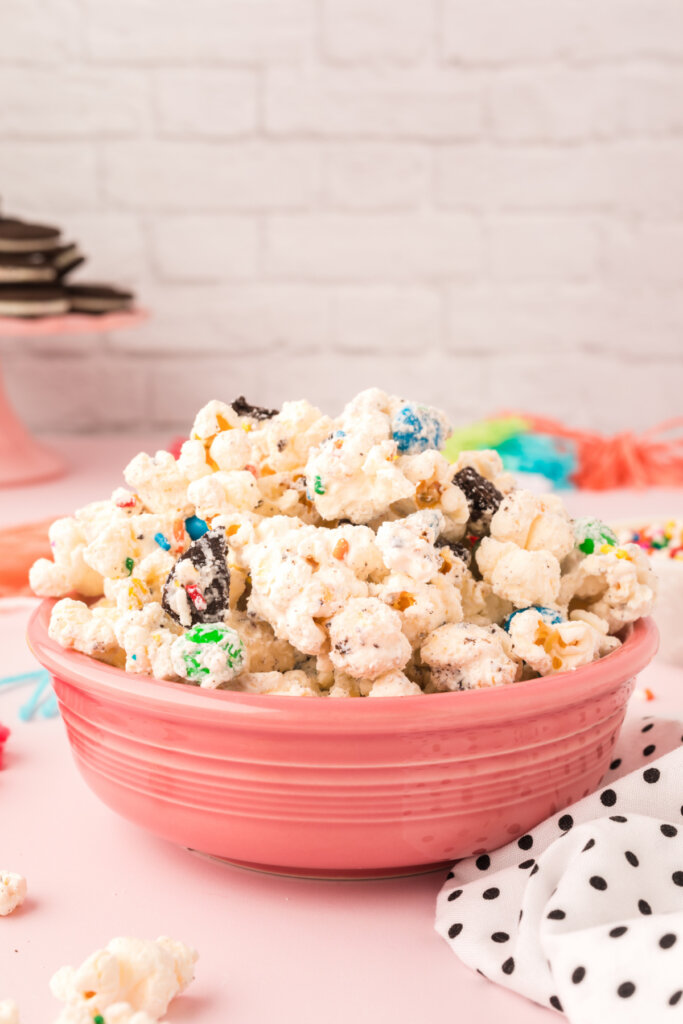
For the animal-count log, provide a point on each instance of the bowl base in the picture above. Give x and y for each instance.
(329, 874)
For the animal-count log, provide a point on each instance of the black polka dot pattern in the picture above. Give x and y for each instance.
(629, 831)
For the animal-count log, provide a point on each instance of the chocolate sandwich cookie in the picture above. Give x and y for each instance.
(18, 236)
(66, 258)
(97, 298)
(25, 268)
(41, 300)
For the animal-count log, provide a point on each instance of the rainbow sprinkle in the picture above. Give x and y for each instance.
(162, 541)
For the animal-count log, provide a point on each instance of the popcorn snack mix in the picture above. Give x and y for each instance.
(285, 552)
(12, 892)
(131, 981)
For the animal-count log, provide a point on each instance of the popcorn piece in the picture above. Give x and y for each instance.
(285, 684)
(407, 545)
(91, 631)
(367, 640)
(349, 477)
(549, 647)
(213, 418)
(231, 450)
(12, 892)
(520, 576)
(483, 498)
(480, 605)
(192, 462)
(208, 655)
(221, 492)
(145, 975)
(68, 571)
(423, 607)
(535, 523)
(432, 477)
(301, 575)
(394, 684)
(263, 651)
(9, 1012)
(617, 584)
(123, 542)
(198, 586)
(289, 437)
(418, 427)
(463, 656)
(160, 483)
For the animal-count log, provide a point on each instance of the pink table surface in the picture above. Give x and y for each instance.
(271, 949)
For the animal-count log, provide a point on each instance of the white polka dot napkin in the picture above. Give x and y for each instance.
(585, 913)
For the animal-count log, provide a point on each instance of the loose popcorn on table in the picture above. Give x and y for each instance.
(12, 892)
(291, 553)
(131, 981)
(9, 1012)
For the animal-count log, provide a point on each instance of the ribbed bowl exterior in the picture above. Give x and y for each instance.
(341, 788)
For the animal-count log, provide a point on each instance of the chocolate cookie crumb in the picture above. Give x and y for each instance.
(254, 412)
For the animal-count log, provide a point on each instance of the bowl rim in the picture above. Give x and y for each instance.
(490, 704)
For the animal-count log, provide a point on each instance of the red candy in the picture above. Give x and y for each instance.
(195, 595)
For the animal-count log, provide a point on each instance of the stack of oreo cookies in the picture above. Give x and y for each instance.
(34, 265)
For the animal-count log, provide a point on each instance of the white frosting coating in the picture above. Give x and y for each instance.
(12, 892)
(146, 975)
(463, 656)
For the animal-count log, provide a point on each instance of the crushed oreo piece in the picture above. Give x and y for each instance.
(461, 551)
(255, 412)
(199, 591)
(483, 498)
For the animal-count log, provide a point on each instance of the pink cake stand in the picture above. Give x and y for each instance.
(24, 460)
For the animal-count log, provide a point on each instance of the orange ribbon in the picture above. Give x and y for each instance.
(625, 460)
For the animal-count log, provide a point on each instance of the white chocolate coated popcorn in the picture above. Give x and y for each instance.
(146, 975)
(517, 575)
(345, 558)
(462, 656)
(557, 647)
(366, 639)
(9, 1012)
(617, 584)
(12, 892)
(534, 522)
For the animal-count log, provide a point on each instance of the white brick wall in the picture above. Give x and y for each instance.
(470, 201)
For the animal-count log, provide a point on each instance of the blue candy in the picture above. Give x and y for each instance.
(549, 615)
(196, 527)
(416, 428)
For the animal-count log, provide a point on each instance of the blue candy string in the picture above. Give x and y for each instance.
(42, 701)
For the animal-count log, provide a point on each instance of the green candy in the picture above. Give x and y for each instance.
(208, 654)
(590, 534)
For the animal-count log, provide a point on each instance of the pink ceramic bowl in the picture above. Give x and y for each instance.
(341, 788)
